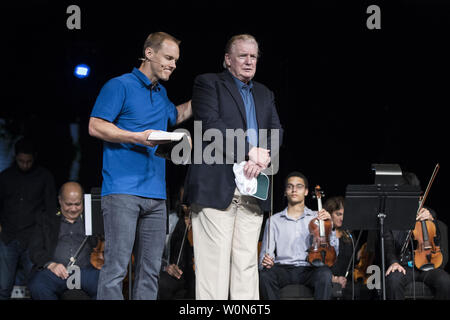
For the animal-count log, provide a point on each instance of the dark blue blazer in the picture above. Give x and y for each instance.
(217, 103)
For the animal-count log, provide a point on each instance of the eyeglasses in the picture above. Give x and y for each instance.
(297, 186)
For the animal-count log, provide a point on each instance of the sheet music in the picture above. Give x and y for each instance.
(88, 214)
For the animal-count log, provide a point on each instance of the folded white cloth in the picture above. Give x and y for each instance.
(246, 186)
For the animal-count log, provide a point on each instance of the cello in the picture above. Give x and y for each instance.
(427, 255)
(321, 251)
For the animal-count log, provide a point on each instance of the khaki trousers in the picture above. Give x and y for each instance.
(226, 250)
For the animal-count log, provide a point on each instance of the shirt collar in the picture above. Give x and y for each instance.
(80, 217)
(143, 78)
(306, 212)
(241, 85)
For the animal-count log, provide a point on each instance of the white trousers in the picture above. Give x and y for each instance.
(226, 250)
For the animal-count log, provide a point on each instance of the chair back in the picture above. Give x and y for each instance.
(443, 229)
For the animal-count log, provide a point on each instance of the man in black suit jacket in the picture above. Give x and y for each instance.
(226, 224)
(56, 239)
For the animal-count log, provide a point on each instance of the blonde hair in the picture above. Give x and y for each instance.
(154, 41)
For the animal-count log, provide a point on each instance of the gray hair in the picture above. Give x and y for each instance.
(238, 37)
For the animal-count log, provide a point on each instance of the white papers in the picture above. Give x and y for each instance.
(256, 187)
(245, 186)
(88, 214)
(166, 136)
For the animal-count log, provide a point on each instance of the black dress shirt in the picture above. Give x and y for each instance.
(343, 259)
(70, 237)
(24, 196)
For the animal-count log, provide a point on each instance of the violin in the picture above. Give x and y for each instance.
(427, 255)
(321, 251)
(97, 258)
(365, 260)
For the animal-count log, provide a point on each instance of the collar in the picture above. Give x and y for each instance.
(306, 212)
(32, 169)
(241, 85)
(63, 219)
(146, 81)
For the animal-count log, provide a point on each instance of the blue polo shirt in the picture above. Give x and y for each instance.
(132, 103)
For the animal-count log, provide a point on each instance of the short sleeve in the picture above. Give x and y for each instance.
(173, 114)
(109, 101)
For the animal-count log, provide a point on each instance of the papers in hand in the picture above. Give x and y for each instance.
(165, 136)
(255, 187)
(166, 141)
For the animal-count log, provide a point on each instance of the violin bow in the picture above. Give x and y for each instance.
(271, 210)
(184, 239)
(427, 190)
(353, 254)
(74, 258)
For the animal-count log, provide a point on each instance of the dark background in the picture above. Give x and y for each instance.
(347, 96)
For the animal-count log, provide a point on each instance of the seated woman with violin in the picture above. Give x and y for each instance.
(177, 278)
(426, 258)
(342, 268)
(335, 206)
(286, 241)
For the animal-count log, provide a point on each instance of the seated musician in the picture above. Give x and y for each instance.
(335, 206)
(343, 267)
(177, 278)
(55, 240)
(284, 248)
(400, 273)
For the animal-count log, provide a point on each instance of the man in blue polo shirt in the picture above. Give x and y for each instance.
(127, 110)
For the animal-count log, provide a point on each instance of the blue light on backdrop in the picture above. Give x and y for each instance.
(82, 71)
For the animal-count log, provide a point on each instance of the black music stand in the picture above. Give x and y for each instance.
(381, 207)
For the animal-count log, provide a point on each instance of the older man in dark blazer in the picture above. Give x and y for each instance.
(226, 223)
